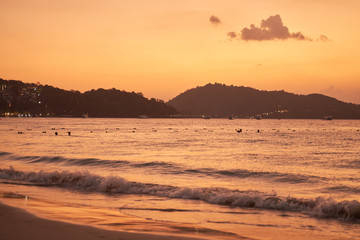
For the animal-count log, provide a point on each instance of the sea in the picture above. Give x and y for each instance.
(212, 178)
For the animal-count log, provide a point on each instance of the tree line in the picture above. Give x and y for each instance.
(46, 100)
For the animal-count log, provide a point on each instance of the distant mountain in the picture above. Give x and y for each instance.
(17, 97)
(219, 100)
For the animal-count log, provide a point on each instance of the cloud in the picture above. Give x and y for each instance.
(270, 29)
(232, 35)
(214, 20)
(323, 38)
(332, 90)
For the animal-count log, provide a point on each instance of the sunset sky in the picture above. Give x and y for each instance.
(163, 47)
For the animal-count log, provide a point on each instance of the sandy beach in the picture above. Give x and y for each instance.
(18, 224)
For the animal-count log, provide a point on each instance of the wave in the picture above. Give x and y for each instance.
(169, 168)
(344, 189)
(351, 164)
(66, 161)
(85, 181)
(276, 176)
(4, 153)
(158, 209)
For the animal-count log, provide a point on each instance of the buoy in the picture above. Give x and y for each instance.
(56, 133)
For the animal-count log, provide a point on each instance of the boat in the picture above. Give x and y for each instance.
(143, 116)
(329, 118)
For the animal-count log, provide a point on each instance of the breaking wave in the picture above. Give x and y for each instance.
(168, 168)
(85, 181)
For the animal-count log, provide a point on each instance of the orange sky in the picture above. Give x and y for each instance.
(163, 47)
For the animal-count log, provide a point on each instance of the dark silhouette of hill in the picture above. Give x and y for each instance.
(219, 100)
(44, 100)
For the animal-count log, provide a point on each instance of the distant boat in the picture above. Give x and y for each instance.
(328, 118)
(143, 116)
(258, 117)
(85, 115)
(205, 117)
(232, 117)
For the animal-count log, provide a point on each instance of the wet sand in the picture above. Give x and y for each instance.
(18, 224)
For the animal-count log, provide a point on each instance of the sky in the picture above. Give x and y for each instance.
(164, 47)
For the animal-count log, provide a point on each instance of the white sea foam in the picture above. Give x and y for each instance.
(85, 181)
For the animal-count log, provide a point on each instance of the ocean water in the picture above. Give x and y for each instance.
(277, 179)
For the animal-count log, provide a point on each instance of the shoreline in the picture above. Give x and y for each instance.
(16, 223)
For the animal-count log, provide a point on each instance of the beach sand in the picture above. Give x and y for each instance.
(18, 224)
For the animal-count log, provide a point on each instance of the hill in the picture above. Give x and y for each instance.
(17, 97)
(219, 100)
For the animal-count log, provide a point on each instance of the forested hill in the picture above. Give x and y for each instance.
(17, 97)
(218, 100)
